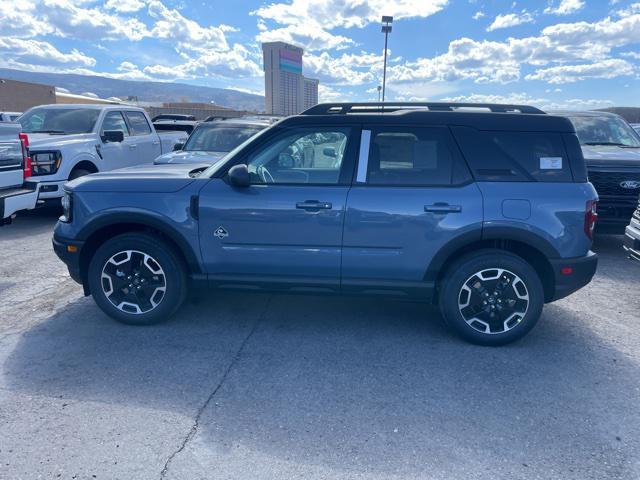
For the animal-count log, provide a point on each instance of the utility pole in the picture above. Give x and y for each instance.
(386, 29)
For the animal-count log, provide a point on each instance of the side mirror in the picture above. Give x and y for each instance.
(178, 146)
(239, 176)
(330, 152)
(112, 136)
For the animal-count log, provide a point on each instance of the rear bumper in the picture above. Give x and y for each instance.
(582, 271)
(632, 240)
(70, 258)
(15, 199)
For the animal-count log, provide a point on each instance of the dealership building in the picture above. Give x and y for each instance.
(287, 91)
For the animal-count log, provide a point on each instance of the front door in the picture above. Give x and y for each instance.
(286, 227)
(115, 154)
(412, 197)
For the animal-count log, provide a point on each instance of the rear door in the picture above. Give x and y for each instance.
(146, 143)
(412, 196)
(286, 227)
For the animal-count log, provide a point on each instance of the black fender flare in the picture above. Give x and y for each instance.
(144, 218)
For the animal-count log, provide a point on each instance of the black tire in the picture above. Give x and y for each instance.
(173, 279)
(463, 291)
(77, 173)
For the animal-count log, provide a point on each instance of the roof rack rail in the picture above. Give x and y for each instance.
(388, 107)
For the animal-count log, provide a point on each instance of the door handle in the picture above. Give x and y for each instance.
(156, 142)
(442, 208)
(314, 205)
(133, 145)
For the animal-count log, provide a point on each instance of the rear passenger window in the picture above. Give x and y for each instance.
(413, 156)
(138, 123)
(499, 156)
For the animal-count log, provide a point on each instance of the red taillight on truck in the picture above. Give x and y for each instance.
(26, 159)
(590, 217)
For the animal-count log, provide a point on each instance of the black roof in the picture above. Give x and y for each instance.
(479, 116)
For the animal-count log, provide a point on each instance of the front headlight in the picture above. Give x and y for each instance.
(45, 163)
(67, 207)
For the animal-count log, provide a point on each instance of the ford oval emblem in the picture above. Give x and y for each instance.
(630, 184)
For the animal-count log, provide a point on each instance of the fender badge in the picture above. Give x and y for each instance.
(221, 233)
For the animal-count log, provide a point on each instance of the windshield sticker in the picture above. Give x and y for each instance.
(550, 163)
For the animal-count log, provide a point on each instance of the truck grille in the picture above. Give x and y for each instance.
(609, 183)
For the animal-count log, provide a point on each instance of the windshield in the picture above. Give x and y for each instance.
(59, 120)
(219, 138)
(605, 131)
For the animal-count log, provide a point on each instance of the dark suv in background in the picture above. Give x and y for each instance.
(611, 148)
(487, 213)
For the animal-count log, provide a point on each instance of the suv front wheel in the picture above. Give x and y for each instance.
(137, 279)
(491, 297)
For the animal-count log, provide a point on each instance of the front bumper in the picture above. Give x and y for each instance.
(632, 239)
(614, 212)
(69, 252)
(582, 271)
(15, 199)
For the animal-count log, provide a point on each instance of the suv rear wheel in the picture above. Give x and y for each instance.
(491, 297)
(137, 279)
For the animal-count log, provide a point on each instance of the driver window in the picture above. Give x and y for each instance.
(300, 157)
(114, 121)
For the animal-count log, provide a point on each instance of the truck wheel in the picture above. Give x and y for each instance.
(137, 279)
(491, 297)
(77, 173)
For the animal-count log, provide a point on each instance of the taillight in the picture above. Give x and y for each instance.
(26, 159)
(590, 217)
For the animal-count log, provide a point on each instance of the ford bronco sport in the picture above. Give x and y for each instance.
(483, 209)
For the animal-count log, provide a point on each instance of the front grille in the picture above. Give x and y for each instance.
(609, 183)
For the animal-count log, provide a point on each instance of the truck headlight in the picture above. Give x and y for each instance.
(67, 207)
(45, 163)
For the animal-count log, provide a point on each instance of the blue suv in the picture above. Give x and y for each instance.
(485, 210)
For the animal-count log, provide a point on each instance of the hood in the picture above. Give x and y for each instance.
(189, 157)
(611, 155)
(140, 179)
(47, 140)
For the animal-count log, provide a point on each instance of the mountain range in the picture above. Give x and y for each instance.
(146, 91)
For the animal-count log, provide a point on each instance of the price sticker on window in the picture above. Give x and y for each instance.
(550, 163)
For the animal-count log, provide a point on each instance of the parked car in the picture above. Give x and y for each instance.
(632, 235)
(14, 170)
(211, 141)
(186, 126)
(70, 141)
(173, 116)
(488, 214)
(611, 149)
(9, 116)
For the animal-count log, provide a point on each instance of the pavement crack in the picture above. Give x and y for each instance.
(207, 402)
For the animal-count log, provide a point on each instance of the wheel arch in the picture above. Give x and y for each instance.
(527, 245)
(85, 164)
(108, 226)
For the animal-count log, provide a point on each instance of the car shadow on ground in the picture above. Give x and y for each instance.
(350, 384)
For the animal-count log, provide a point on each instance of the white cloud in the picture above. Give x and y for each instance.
(525, 99)
(18, 18)
(310, 35)
(610, 68)
(565, 7)
(172, 25)
(17, 51)
(124, 6)
(510, 20)
(478, 15)
(347, 13)
(70, 20)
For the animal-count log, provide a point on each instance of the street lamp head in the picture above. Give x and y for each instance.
(386, 29)
(387, 19)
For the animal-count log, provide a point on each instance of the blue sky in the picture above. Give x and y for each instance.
(550, 53)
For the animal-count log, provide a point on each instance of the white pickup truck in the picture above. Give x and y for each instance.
(69, 141)
(15, 194)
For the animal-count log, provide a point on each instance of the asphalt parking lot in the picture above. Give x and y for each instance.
(256, 386)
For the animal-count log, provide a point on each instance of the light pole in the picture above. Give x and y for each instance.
(379, 90)
(386, 29)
